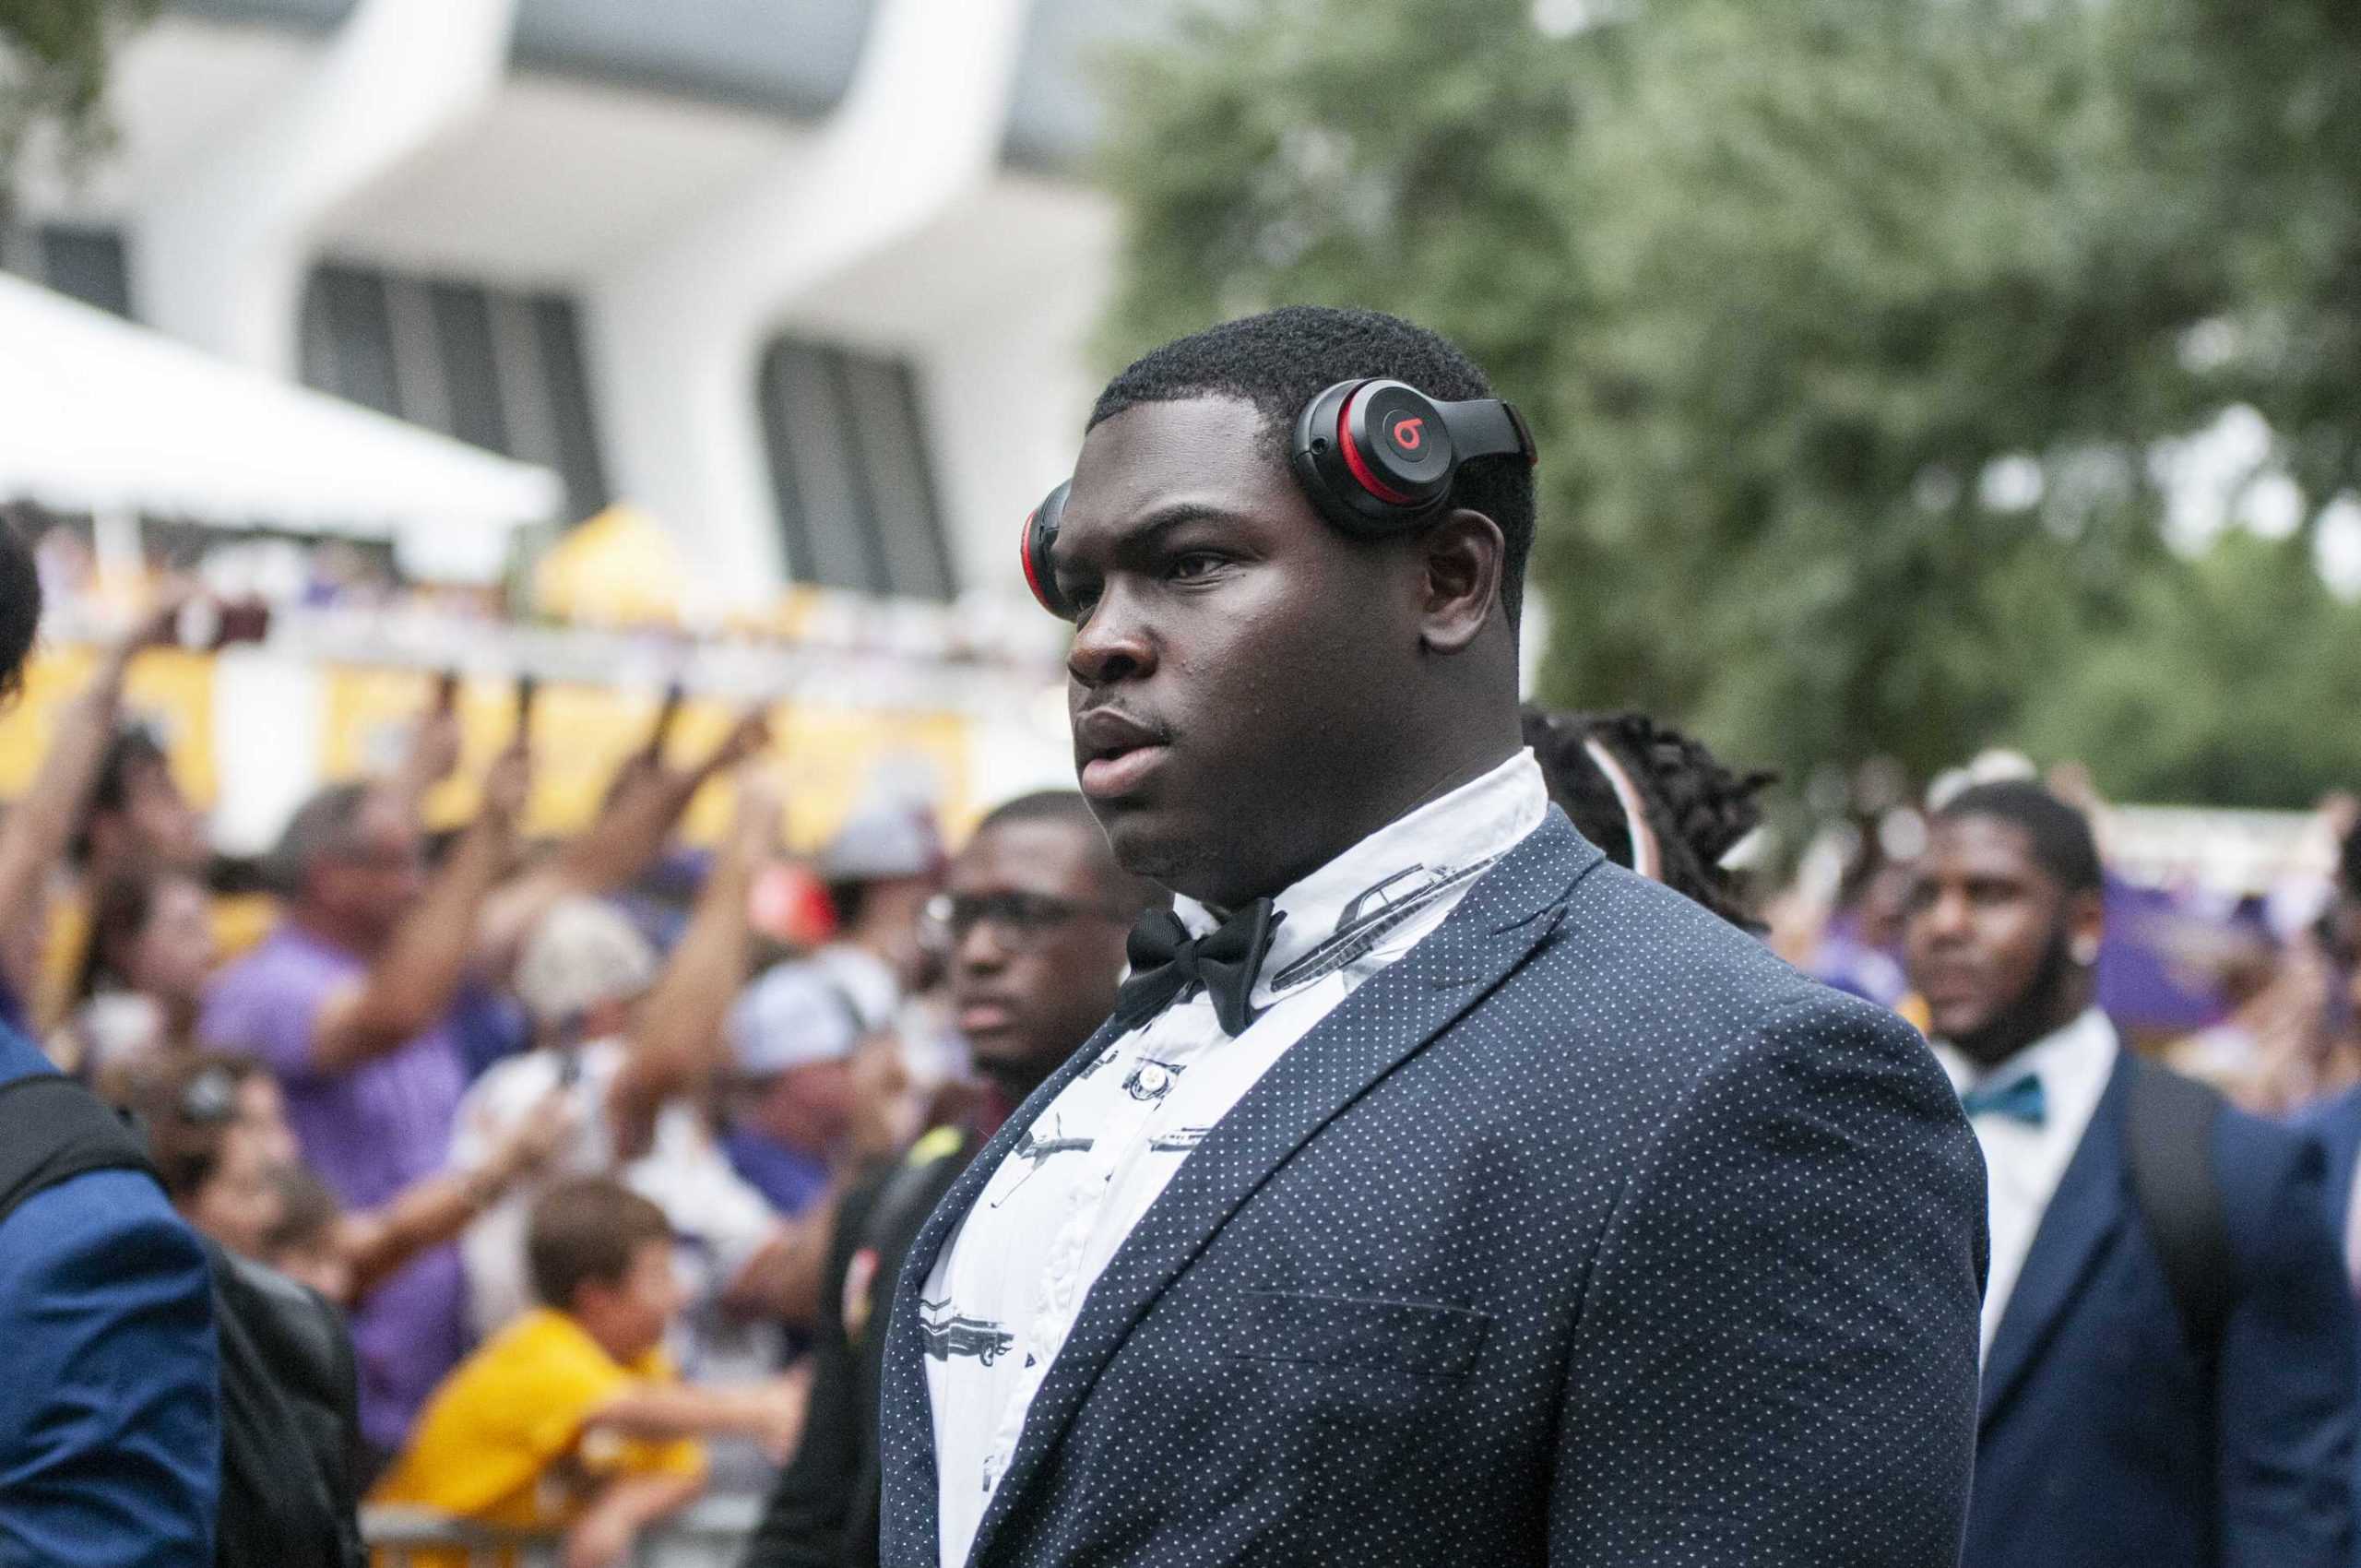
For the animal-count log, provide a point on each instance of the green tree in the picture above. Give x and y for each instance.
(1848, 327)
(54, 58)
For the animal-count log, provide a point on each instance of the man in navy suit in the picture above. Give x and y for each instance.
(2120, 1425)
(110, 1430)
(1439, 1192)
(2337, 1120)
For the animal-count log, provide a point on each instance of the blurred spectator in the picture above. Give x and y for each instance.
(791, 1041)
(41, 826)
(1657, 802)
(2337, 1122)
(2143, 1402)
(630, 1051)
(349, 1003)
(111, 1415)
(213, 1154)
(572, 1419)
(151, 951)
(1034, 922)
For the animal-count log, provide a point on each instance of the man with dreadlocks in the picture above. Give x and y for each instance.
(1655, 800)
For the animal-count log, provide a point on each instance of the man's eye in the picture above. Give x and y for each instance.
(1197, 564)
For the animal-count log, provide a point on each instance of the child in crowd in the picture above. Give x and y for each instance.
(571, 1419)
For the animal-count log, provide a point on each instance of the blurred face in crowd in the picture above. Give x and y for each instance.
(808, 1107)
(173, 953)
(370, 881)
(1990, 938)
(238, 1203)
(161, 827)
(1035, 949)
(1246, 685)
(629, 1316)
(261, 1114)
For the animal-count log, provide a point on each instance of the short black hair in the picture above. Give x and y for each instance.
(1697, 808)
(2061, 836)
(19, 601)
(1281, 359)
(1120, 889)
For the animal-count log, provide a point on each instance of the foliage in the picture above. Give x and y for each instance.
(54, 58)
(1849, 327)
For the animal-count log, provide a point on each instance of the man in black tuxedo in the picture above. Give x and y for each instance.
(1438, 1192)
(1032, 921)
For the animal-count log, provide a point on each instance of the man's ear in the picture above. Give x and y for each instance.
(1461, 559)
(2085, 926)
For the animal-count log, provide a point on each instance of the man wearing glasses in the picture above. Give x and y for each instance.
(1032, 924)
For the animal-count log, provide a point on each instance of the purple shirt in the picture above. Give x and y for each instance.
(369, 1133)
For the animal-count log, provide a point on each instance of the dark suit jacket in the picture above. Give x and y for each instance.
(1587, 1233)
(822, 1512)
(2337, 1124)
(2103, 1443)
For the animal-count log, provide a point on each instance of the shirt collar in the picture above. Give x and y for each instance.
(1346, 907)
(2082, 1049)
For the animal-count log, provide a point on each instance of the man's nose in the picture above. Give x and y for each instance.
(979, 950)
(1945, 917)
(1113, 643)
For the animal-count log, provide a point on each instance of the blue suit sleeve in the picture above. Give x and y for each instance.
(110, 1425)
(2284, 1387)
(1774, 1361)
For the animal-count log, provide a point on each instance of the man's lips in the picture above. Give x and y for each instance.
(984, 1016)
(1117, 752)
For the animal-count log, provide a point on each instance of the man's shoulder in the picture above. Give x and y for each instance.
(1634, 960)
(2263, 1168)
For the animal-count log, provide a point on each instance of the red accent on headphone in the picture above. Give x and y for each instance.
(1360, 468)
(1406, 434)
(1024, 554)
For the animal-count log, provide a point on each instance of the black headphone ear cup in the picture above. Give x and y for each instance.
(1040, 533)
(1375, 456)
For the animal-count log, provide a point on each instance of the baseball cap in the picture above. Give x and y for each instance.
(792, 1017)
(883, 841)
(583, 952)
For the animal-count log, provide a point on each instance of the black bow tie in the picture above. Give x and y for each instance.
(1165, 961)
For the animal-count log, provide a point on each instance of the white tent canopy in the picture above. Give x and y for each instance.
(97, 415)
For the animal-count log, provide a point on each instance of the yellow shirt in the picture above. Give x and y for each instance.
(501, 1442)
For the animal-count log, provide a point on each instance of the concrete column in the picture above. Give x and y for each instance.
(219, 249)
(676, 330)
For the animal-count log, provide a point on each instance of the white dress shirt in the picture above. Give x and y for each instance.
(1006, 1290)
(2023, 1164)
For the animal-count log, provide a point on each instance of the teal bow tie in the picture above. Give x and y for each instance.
(2020, 1099)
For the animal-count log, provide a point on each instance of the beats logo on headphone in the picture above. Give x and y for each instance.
(1375, 458)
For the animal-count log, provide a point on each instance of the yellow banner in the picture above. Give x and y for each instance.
(170, 692)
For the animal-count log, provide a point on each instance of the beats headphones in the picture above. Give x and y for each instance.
(1375, 458)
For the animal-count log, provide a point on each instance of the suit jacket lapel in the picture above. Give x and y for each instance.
(2083, 1219)
(1503, 917)
(907, 1426)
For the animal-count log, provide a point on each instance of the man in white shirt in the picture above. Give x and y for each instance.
(1438, 1192)
(2167, 1347)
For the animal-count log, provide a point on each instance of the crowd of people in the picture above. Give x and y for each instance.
(597, 1193)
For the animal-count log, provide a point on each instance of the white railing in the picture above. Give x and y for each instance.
(709, 1532)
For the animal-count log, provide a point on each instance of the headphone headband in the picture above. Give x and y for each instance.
(1376, 456)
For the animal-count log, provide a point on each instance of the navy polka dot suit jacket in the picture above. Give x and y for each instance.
(1587, 1233)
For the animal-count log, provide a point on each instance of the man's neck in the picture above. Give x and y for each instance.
(1444, 779)
(2013, 1037)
